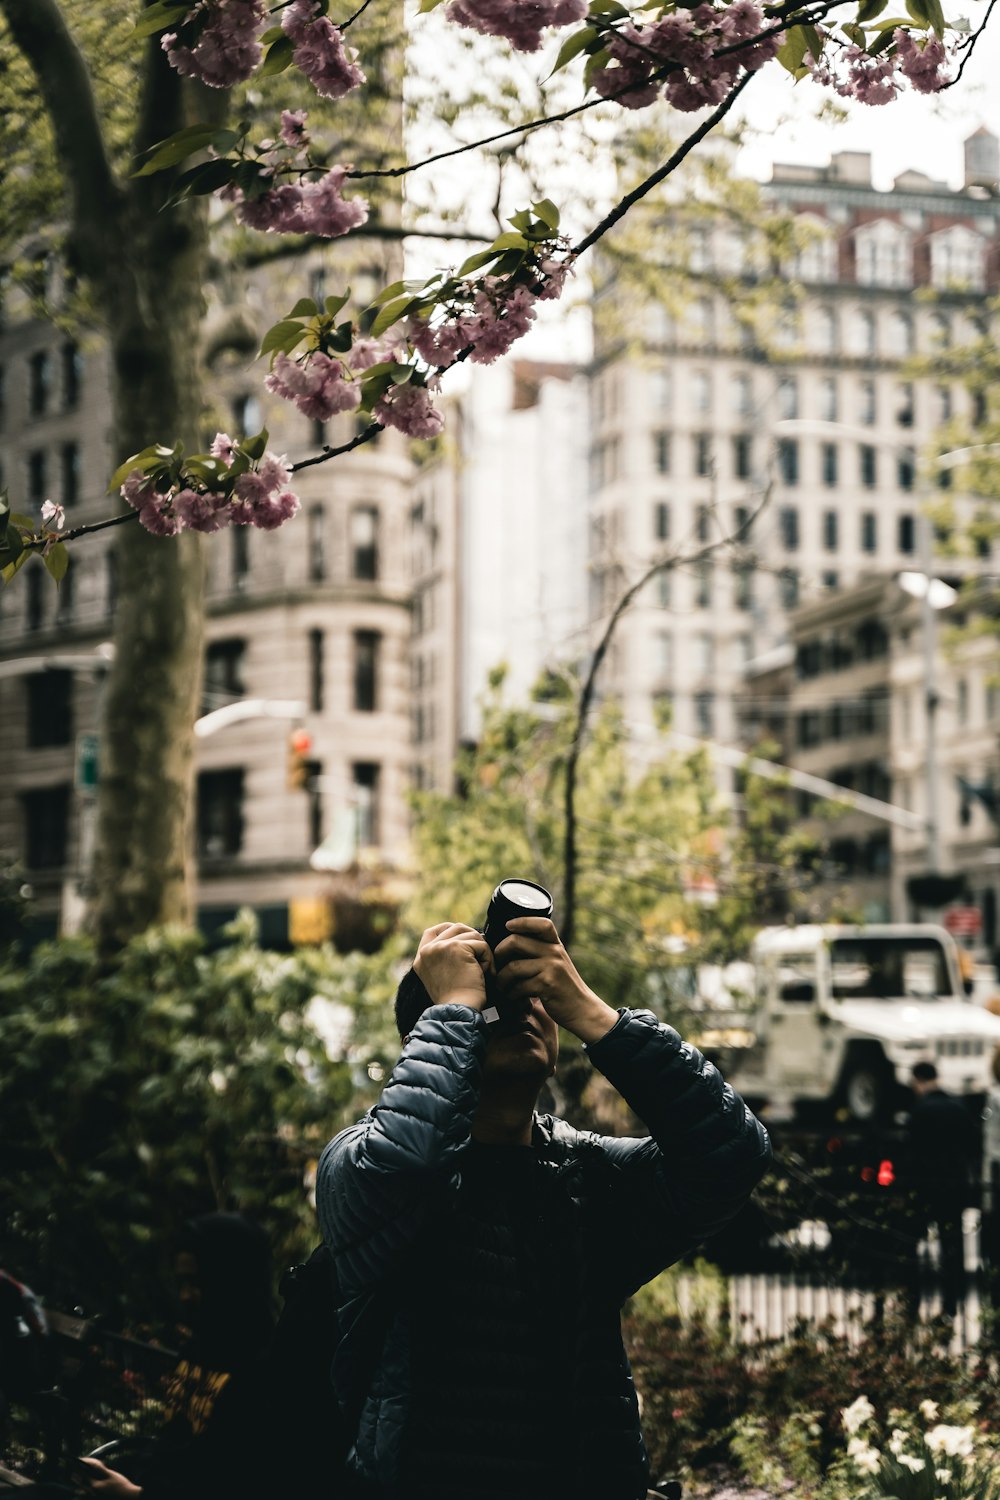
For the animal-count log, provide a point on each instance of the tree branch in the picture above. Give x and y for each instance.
(662, 565)
(41, 34)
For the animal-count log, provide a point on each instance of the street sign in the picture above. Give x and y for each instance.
(87, 769)
(963, 921)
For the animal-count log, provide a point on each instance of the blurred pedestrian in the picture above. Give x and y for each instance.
(941, 1149)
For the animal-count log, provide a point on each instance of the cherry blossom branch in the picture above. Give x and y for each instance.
(92, 526)
(968, 46)
(343, 25)
(663, 171)
(365, 436)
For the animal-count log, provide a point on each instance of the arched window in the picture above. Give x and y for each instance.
(817, 258)
(824, 330)
(958, 258)
(901, 334)
(863, 339)
(883, 254)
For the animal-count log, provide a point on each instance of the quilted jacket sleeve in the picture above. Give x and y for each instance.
(378, 1180)
(704, 1156)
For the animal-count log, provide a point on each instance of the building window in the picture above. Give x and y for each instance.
(866, 402)
(66, 598)
(661, 521)
(316, 652)
(702, 454)
(824, 328)
(867, 466)
(661, 452)
(70, 462)
(223, 682)
(869, 531)
(864, 332)
(314, 792)
(367, 646)
(39, 383)
(247, 414)
(788, 397)
(962, 701)
(789, 588)
(788, 461)
(788, 525)
(829, 404)
(664, 655)
(110, 582)
(704, 663)
(37, 476)
(742, 396)
(664, 592)
(662, 389)
(364, 543)
(743, 589)
(703, 584)
(317, 543)
(831, 581)
(905, 414)
(702, 523)
(220, 813)
(46, 827)
(831, 530)
(34, 607)
(906, 534)
(365, 777)
(701, 391)
(828, 464)
(742, 456)
(704, 714)
(50, 709)
(943, 402)
(906, 468)
(883, 254)
(240, 556)
(940, 331)
(72, 376)
(901, 334)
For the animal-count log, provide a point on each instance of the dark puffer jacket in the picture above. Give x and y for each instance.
(498, 1273)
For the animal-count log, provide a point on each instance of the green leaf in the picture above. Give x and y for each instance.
(793, 49)
(56, 560)
(893, 22)
(573, 46)
(869, 9)
(342, 338)
(277, 58)
(159, 17)
(919, 11)
(594, 63)
(254, 446)
(185, 143)
(427, 5)
(938, 22)
(476, 262)
(277, 337)
(391, 313)
(11, 546)
(548, 213)
(333, 305)
(146, 461)
(884, 41)
(388, 292)
(27, 523)
(206, 467)
(510, 241)
(206, 177)
(854, 33)
(271, 35)
(304, 308)
(609, 9)
(11, 568)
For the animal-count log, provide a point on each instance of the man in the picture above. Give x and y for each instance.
(941, 1148)
(492, 1247)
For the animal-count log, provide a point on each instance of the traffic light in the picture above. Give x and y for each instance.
(299, 745)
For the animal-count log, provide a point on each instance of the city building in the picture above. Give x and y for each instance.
(695, 417)
(316, 613)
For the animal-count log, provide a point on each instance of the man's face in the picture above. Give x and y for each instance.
(524, 1043)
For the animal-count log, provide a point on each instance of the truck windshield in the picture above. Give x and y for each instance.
(889, 968)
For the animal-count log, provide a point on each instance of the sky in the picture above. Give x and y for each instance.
(919, 131)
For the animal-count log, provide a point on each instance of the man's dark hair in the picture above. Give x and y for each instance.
(411, 1001)
(924, 1072)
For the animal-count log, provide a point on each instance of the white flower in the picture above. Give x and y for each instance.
(857, 1414)
(929, 1411)
(53, 514)
(944, 1475)
(897, 1442)
(915, 1465)
(956, 1442)
(863, 1457)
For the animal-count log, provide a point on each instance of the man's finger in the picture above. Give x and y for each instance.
(543, 929)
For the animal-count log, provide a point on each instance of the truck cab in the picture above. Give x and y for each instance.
(843, 1012)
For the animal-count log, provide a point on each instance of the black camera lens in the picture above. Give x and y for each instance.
(514, 898)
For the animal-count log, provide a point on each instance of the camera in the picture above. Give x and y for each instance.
(514, 898)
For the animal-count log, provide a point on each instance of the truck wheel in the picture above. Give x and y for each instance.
(866, 1091)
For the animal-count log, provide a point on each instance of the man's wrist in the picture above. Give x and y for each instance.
(591, 1018)
(474, 999)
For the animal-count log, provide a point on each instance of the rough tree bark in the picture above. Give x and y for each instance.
(147, 268)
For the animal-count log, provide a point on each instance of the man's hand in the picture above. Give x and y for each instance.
(104, 1481)
(450, 961)
(531, 960)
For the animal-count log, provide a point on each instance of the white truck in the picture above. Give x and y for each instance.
(842, 1013)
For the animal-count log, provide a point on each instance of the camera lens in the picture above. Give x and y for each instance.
(514, 898)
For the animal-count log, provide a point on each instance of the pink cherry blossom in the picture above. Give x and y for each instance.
(331, 67)
(224, 447)
(520, 21)
(274, 510)
(227, 50)
(497, 326)
(309, 208)
(439, 343)
(365, 353)
(293, 127)
(318, 386)
(201, 511)
(157, 518)
(921, 66)
(53, 514)
(408, 408)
